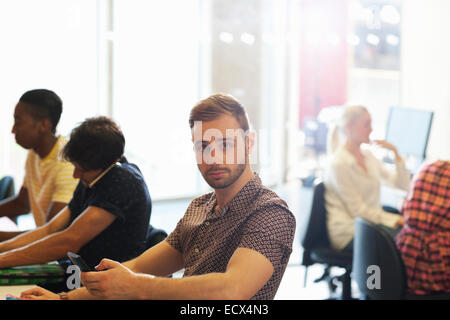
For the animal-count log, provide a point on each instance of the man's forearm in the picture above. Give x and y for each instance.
(214, 286)
(8, 235)
(50, 248)
(246, 273)
(23, 239)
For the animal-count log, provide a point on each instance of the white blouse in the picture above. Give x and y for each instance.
(351, 192)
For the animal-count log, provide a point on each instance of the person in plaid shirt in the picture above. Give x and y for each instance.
(424, 241)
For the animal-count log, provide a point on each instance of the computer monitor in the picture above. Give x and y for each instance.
(408, 129)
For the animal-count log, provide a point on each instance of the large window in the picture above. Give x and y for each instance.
(146, 63)
(350, 54)
(167, 55)
(254, 57)
(46, 44)
(374, 52)
(156, 81)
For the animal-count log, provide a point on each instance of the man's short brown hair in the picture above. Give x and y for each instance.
(217, 105)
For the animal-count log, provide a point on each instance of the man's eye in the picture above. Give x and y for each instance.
(200, 147)
(228, 145)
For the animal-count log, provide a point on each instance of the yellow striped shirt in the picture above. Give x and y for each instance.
(48, 180)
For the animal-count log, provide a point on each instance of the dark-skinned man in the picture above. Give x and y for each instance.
(48, 184)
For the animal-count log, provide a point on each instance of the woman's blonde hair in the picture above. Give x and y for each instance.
(348, 115)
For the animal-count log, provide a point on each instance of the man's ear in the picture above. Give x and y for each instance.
(45, 125)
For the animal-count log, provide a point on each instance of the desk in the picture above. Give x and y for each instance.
(14, 290)
(7, 225)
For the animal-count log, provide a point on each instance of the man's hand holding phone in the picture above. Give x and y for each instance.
(78, 261)
(113, 281)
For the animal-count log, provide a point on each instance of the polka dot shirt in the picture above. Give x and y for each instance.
(122, 192)
(256, 219)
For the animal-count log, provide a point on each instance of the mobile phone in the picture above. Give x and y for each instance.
(78, 261)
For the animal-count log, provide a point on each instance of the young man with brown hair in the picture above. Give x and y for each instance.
(233, 243)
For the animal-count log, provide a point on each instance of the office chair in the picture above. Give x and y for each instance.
(317, 247)
(378, 266)
(6, 187)
(154, 236)
(374, 250)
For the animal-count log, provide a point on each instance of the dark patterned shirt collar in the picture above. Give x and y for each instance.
(243, 199)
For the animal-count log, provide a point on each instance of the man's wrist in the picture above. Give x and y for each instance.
(142, 286)
(63, 296)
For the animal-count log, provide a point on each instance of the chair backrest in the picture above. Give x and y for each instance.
(378, 267)
(6, 187)
(315, 232)
(154, 236)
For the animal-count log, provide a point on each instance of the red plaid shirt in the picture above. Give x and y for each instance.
(424, 241)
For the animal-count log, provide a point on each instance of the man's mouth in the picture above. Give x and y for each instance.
(216, 174)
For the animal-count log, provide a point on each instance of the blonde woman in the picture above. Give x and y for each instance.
(353, 178)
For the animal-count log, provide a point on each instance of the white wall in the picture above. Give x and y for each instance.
(425, 76)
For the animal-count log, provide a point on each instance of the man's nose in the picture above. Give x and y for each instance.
(210, 157)
(214, 156)
(76, 174)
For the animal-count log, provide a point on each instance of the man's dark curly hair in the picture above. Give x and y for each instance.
(95, 144)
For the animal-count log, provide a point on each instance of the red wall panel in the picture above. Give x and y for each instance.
(323, 56)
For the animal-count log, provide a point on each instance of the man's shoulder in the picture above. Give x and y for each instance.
(56, 157)
(123, 181)
(268, 200)
(127, 171)
(268, 197)
(201, 201)
(271, 214)
(60, 144)
(62, 140)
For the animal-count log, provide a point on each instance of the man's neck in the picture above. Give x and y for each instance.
(225, 195)
(46, 146)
